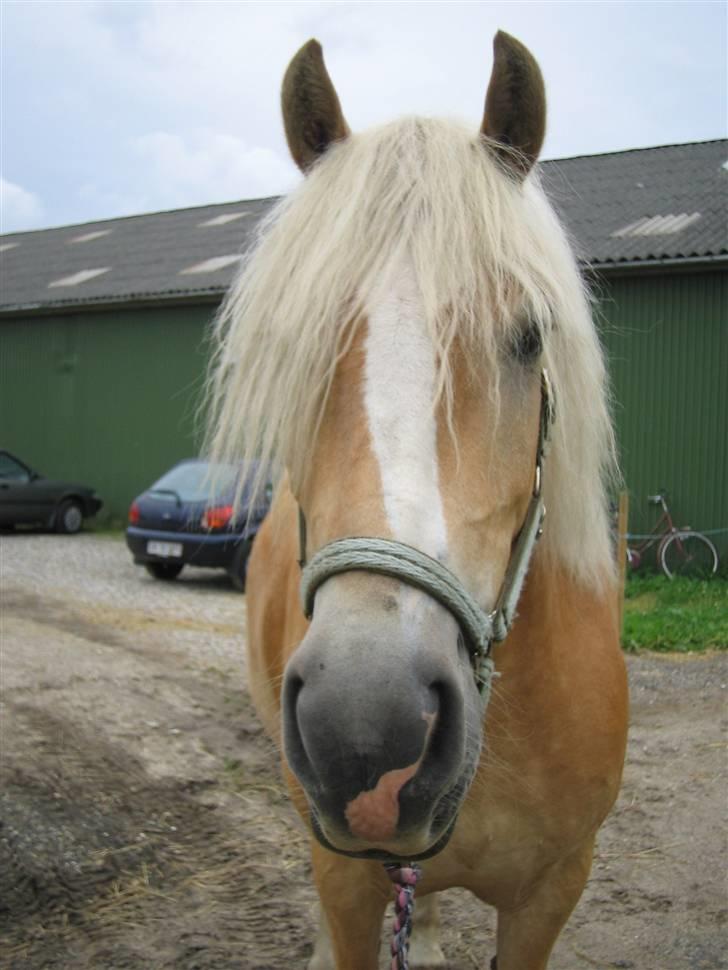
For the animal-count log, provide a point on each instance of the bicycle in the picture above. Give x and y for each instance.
(680, 551)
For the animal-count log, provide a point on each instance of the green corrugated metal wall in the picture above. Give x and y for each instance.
(106, 398)
(109, 397)
(666, 337)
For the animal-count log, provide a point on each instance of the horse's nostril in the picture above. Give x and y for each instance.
(293, 740)
(292, 687)
(444, 735)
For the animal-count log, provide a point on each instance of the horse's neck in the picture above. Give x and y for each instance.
(559, 620)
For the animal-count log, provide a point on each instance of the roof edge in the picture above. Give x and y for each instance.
(168, 298)
(275, 198)
(131, 302)
(687, 263)
(631, 151)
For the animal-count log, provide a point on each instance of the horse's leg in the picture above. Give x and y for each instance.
(353, 896)
(526, 935)
(322, 957)
(425, 950)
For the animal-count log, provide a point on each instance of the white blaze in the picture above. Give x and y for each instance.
(400, 375)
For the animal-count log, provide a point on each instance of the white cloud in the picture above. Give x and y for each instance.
(19, 209)
(147, 105)
(208, 166)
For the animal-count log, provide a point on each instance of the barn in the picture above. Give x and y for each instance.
(104, 328)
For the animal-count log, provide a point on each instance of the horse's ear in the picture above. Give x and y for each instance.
(515, 104)
(311, 111)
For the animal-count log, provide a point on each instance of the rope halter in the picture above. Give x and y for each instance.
(400, 561)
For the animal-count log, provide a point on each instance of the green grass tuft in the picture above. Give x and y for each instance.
(681, 615)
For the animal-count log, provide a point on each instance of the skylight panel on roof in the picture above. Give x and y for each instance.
(657, 225)
(224, 219)
(211, 265)
(88, 236)
(5, 246)
(81, 277)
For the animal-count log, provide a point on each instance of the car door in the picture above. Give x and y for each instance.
(16, 491)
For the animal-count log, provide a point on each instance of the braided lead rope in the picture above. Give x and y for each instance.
(404, 879)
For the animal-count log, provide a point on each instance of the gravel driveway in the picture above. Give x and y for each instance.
(144, 823)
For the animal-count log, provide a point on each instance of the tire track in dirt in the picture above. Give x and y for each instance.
(103, 864)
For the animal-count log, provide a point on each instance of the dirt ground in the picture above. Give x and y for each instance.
(144, 823)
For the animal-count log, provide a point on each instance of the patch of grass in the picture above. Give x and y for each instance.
(675, 615)
(234, 774)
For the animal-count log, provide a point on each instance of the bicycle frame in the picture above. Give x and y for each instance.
(680, 550)
(661, 530)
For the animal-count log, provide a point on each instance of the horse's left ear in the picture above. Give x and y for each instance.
(311, 111)
(515, 105)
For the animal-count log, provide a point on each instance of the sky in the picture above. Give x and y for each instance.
(119, 107)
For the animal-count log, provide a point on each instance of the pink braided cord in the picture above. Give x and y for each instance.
(404, 879)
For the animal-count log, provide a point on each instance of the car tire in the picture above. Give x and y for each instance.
(239, 569)
(69, 517)
(164, 570)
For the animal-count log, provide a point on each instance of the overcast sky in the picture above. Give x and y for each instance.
(112, 108)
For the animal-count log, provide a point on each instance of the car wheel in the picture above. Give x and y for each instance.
(69, 517)
(239, 569)
(164, 570)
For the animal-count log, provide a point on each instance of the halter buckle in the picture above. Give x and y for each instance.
(548, 413)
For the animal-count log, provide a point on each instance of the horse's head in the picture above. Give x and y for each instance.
(381, 713)
(387, 341)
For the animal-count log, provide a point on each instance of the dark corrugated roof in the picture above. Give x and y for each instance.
(600, 195)
(142, 257)
(144, 254)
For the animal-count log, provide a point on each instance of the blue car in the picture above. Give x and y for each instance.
(178, 521)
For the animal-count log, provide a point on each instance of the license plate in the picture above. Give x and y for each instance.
(168, 550)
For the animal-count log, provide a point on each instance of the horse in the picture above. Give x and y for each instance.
(411, 342)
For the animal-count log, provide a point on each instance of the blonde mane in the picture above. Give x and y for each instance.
(480, 243)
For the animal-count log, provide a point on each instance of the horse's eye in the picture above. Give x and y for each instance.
(528, 344)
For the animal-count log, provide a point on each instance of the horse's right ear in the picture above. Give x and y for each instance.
(311, 111)
(515, 105)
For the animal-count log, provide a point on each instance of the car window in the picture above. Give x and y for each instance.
(193, 481)
(12, 470)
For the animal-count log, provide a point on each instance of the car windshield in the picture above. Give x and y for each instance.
(11, 469)
(192, 481)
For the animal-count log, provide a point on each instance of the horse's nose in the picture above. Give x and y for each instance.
(374, 735)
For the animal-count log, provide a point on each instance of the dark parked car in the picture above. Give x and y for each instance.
(179, 520)
(27, 498)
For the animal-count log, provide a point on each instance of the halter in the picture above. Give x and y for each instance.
(400, 561)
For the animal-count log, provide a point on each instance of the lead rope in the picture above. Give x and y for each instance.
(404, 879)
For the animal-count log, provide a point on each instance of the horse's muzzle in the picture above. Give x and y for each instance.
(375, 728)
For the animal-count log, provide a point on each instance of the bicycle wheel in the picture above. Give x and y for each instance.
(688, 554)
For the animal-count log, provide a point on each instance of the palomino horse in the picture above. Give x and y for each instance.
(386, 342)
